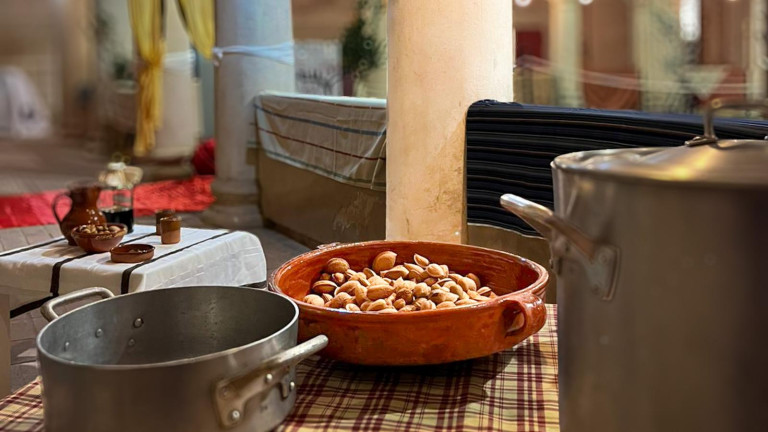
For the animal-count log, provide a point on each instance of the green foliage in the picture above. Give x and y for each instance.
(361, 52)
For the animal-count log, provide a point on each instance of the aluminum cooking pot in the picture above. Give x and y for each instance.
(206, 358)
(662, 263)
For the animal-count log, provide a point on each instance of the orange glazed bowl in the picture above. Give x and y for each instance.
(422, 337)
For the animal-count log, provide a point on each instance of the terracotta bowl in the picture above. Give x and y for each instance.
(100, 242)
(424, 337)
(132, 253)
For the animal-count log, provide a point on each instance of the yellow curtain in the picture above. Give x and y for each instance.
(198, 17)
(147, 25)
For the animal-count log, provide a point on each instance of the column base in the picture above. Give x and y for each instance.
(243, 216)
(236, 205)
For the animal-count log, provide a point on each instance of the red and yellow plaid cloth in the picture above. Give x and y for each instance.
(515, 390)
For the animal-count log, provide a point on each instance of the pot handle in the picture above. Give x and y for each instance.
(53, 205)
(599, 261)
(47, 309)
(231, 394)
(716, 105)
(524, 314)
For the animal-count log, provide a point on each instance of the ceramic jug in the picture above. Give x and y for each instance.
(84, 210)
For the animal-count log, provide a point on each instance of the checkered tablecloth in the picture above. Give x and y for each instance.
(515, 390)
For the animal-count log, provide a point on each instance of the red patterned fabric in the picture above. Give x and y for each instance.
(514, 390)
(190, 195)
(204, 159)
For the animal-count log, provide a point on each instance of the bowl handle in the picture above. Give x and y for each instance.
(231, 394)
(524, 314)
(47, 309)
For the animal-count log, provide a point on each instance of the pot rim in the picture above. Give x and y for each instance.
(539, 284)
(205, 357)
(571, 163)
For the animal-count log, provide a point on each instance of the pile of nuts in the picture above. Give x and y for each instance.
(99, 229)
(389, 288)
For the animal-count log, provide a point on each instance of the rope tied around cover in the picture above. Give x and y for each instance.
(281, 53)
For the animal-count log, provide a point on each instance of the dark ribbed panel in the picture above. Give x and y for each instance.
(510, 147)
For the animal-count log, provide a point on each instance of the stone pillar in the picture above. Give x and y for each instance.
(79, 65)
(660, 55)
(566, 51)
(442, 58)
(237, 80)
(757, 71)
(179, 132)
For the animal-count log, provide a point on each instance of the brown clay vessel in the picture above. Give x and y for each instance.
(99, 242)
(84, 210)
(159, 215)
(170, 229)
(132, 253)
(424, 337)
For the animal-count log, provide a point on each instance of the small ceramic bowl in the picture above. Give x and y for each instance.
(132, 253)
(99, 242)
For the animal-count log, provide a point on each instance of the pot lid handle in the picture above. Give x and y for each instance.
(716, 105)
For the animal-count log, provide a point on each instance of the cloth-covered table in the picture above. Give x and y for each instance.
(340, 138)
(32, 274)
(515, 390)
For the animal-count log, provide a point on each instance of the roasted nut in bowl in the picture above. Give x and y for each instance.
(99, 238)
(414, 331)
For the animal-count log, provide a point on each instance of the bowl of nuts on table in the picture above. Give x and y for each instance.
(99, 238)
(413, 302)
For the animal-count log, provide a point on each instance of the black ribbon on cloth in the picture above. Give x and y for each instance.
(125, 282)
(29, 248)
(56, 272)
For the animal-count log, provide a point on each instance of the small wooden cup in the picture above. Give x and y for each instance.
(170, 229)
(159, 214)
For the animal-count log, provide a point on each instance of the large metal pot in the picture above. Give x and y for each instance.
(662, 264)
(205, 358)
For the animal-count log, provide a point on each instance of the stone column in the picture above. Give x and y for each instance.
(179, 132)
(442, 58)
(566, 51)
(78, 65)
(237, 80)
(757, 71)
(660, 55)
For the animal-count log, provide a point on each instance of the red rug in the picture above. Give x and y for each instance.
(191, 195)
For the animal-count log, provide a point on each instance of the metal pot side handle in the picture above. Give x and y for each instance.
(47, 309)
(600, 261)
(230, 395)
(524, 314)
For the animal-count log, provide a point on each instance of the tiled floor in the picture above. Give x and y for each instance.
(27, 167)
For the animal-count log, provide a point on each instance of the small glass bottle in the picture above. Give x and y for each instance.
(116, 199)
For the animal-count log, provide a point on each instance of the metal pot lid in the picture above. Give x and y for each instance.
(703, 160)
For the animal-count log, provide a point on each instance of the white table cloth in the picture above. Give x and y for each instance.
(32, 274)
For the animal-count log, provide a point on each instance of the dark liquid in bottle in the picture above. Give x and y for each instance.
(121, 215)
